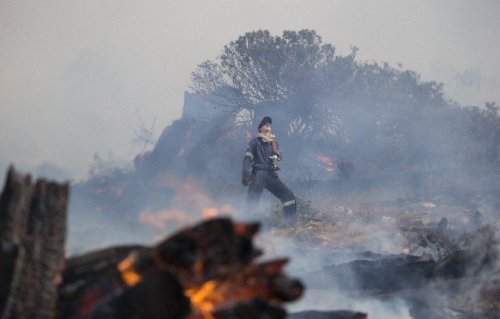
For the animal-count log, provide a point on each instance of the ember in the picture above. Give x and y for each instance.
(264, 280)
(212, 262)
(126, 268)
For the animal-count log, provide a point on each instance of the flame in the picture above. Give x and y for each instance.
(190, 196)
(327, 162)
(209, 212)
(159, 219)
(126, 268)
(252, 281)
(202, 298)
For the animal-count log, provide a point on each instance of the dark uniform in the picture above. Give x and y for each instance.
(258, 173)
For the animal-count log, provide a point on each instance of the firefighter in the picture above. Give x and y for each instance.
(260, 170)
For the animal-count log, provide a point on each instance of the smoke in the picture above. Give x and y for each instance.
(400, 157)
(326, 300)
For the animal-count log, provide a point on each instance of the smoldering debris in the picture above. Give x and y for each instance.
(204, 271)
(442, 267)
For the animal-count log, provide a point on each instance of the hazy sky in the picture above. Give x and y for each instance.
(76, 76)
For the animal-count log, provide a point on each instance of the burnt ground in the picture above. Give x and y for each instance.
(393, 258)
(376, 250)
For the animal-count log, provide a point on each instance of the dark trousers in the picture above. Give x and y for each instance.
(265, 179)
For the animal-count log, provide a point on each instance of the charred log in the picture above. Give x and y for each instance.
(88, 278)
(158, 296)
(32, 236)
(257, 308)
(207, 250)
(212, 264)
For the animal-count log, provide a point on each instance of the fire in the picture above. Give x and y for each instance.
(203, 298)
(126, 268)
(214, 286)
(190, 196)
(263, 280)
(161, 218)
(327, 162)
(209, 212)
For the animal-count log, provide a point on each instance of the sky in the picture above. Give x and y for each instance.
(79, 78)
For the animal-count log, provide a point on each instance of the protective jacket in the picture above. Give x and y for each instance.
(259, 174)
(257, 157)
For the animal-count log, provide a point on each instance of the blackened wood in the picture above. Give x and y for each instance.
(216, 251)
(32, 233)
(158, 296)
(256, 308)
(89, 277)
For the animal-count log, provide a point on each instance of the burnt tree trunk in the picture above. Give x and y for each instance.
(32, 236)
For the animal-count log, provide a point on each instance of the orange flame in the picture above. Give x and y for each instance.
(159, 219)
(209, 212)
(190, 196)
(327, 162)
(126, 268)
(254, 280)
(201, 298)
